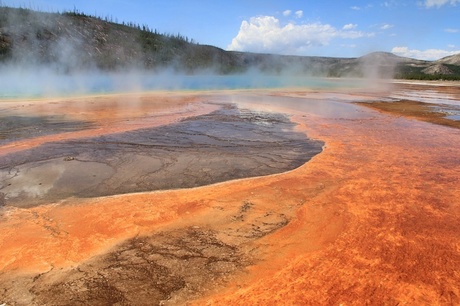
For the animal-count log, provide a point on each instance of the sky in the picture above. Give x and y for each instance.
(422, 29)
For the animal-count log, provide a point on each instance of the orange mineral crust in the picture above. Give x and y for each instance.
(104, 114)
(393, 183)
(373, 219)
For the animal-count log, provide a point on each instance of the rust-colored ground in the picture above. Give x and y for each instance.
(438, 103)
(111, 113)
(414, 109)
(373, 219)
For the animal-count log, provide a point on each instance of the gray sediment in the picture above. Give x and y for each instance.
(230, 143)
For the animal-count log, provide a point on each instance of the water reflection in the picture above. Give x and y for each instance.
(318, 107)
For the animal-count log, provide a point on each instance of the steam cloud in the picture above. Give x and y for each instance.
(63, 54)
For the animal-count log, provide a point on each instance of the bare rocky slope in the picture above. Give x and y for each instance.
(453, 60)
(75, 41)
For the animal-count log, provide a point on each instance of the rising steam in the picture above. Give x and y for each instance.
(46, 54)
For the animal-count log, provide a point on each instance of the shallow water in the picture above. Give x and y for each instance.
(227, 144)
(51, 84)
(427, 96)
(324, 108)
(14, 127)
(453, 117)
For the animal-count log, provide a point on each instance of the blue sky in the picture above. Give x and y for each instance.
(424, 29)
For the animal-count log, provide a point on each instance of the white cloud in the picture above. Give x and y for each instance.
(392, 3)
(299, 14)
(429, 54)
(348, 46)
(349, 26)
(452, 30)
(355, 8)
(267, 34)
(386, 26)
(439, 3)
(287, 13)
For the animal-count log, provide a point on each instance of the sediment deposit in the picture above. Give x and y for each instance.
(374, 218)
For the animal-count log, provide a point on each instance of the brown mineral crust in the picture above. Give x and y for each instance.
(373, 219)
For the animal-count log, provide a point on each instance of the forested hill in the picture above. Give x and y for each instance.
(73, 41)
(76, 41)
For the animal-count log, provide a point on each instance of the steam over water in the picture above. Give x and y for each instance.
(37, 83)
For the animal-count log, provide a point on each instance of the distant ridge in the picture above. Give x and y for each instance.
(452, 59)
(439, 69)
(73, 41)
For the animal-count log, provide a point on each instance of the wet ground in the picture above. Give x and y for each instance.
(438, 103)
(374, 218)
(13, 128)
(429, 112)
(227, 144)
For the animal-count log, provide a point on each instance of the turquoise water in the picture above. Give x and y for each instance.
(45, 84)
